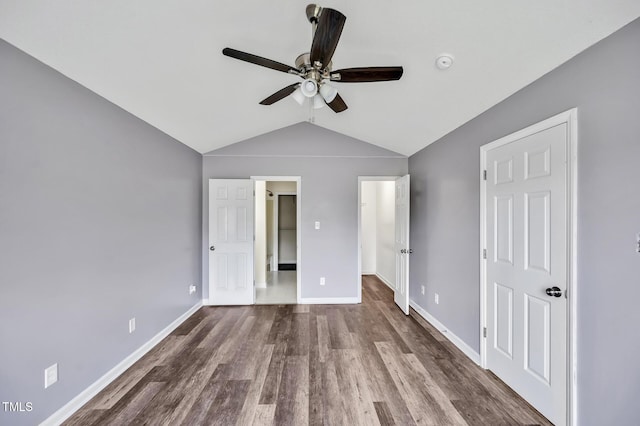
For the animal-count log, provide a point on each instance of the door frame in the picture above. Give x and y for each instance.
(570, 118)
(360, 180)
(298, 194)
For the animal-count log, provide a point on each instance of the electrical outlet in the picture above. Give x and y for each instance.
(132, 325)
(422, 287)
(321, 280)
(50, 375)
(317, 225)
(192, 289)
(436, 299)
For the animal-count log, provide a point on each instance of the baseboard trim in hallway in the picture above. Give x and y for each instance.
(458, 342)
(76, 403)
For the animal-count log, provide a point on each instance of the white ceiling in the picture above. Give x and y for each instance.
(161, 60)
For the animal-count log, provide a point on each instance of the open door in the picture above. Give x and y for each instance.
(231, 242)
(402, 250)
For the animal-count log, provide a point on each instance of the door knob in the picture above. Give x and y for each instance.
(212, 248)
(554, 291)
(410, 251)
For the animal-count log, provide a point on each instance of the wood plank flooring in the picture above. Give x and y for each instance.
(362, 364)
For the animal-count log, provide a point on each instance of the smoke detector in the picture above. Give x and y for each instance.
(444, 61)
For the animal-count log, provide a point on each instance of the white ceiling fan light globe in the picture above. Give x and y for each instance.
(298, 96)
(329, 93)
(318, 101)
(309, 88)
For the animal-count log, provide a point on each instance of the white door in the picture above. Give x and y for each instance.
(527, 240)
(231, 242)
(402, 250)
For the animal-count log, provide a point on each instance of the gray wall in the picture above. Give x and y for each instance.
(100, 221)
(329, 164)
(604, 83)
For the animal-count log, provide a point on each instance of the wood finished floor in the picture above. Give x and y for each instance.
(362, 364)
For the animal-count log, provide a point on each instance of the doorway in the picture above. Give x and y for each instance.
(376, 229)
(277, 262)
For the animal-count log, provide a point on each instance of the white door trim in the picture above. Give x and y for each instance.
(360, 180)
(298, 194)
(570, 118)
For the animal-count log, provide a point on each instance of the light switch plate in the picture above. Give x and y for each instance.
(50, 375)
(317, 225)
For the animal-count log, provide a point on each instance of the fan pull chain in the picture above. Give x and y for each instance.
(312, 113)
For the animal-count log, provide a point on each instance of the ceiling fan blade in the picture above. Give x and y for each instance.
(366, 74)
(280, 94)
(337, 104)
(328, 32)
(259, 60)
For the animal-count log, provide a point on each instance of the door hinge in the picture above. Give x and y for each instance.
(484, 332)
(484, 175)
(484, 253)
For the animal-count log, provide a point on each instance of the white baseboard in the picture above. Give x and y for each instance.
(74, 405)
(261, 285)
(386, 281)
(329, 301)
(368, 272)
(460, 344)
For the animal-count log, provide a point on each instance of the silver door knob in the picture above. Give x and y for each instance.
(212, 248)
(554, 292)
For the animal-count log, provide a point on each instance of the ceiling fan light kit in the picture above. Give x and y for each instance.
(309, 88)
(315, 67)
(298, 96)
(318, 102)
(329, 93)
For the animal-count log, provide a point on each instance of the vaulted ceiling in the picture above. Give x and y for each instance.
(161, 60)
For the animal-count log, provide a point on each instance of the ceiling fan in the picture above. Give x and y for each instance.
(315, 67)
